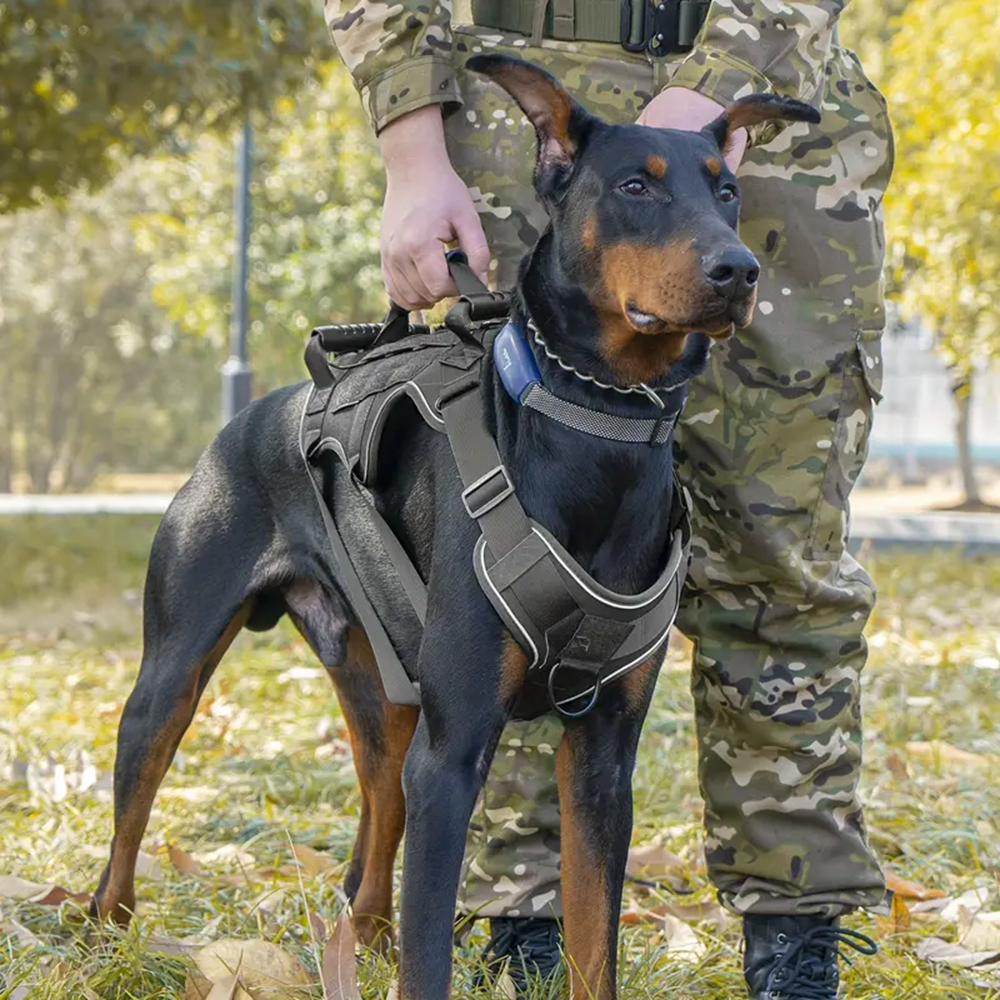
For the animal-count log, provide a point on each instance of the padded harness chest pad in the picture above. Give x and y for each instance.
(350, 416)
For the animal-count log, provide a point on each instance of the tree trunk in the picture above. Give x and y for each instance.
(961, 388)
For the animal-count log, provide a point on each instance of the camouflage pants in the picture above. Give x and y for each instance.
(771, 442)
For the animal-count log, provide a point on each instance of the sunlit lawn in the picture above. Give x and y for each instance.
(267, 763)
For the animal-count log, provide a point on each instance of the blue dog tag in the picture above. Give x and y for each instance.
(515, 362)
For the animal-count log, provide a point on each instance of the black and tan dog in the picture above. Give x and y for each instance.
(642, 251)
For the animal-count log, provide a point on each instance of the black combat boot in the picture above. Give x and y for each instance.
(531, 944)
(795, 958)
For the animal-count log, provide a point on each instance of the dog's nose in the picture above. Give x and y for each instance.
(732, 272)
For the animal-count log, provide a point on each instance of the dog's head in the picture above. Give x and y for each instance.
(644, 220)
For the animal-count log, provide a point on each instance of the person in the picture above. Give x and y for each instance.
(772, 440)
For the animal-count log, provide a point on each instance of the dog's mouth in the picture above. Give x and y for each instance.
(650, 324)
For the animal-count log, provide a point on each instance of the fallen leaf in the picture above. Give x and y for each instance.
(224, 989)
(18, 888)
(313, 862)
(972, 902)
(505, 986)
(225, 856)
(938, 951)
(164, 945)
(898, 920)
(692, 913)
(182, 861)
(26, 937)
(319, 928)
(939, 752)
(196, 986)
(340, 973)
(979, 931)
(260, 965)
(909, 890)
(393, 993)
(652, 861)
(146, 866)
(897, 766)
(682, 942)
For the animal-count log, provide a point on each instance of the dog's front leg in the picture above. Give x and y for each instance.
(594, 766)
(465, 688)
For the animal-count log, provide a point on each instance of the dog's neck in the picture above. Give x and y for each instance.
(607, 502)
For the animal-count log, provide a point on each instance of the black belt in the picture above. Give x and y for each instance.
(660, 28)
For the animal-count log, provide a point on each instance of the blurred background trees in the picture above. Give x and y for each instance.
(117, 167)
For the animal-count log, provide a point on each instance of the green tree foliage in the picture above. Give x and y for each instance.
(317, 192)
(114, 306)
(86, 82)
(94, 375)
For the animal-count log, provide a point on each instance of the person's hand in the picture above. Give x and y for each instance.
(426, 206)
(678, 107)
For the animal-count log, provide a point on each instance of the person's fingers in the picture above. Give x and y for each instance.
(399, 287)
(472, 239)
(402, 267)
(431, 266)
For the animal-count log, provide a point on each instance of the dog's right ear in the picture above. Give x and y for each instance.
(560, 123)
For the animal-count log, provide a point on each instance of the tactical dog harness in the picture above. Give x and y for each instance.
(578, 635)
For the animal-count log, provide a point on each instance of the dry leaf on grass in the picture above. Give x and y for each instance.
(505, 986)
(898, 920)
(161, 944)
(260, 966)
(897, 766)
(682, 941)
(909, 890)
(651, 861)
(340, 971)
(146, 866)
(26, 937)
(691, 913)
(970, 903)
(46, 894)
(318, 926)
(940, 952)
(979, 931)
(196, 986)
(939, 752)
(312, 861)
(183, 861)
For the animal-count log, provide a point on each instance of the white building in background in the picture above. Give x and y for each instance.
(914, 428)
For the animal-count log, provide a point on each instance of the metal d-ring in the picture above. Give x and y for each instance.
(552, 694)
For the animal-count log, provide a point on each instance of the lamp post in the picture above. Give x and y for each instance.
(236, 374)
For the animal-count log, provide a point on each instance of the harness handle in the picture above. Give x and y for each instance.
(565, 712)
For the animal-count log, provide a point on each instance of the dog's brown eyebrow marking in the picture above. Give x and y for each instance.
(656, 166)
(588, 235)
(714, 165)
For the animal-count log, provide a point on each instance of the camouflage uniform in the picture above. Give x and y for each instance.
(772, 440)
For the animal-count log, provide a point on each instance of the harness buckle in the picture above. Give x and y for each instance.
(486, 492)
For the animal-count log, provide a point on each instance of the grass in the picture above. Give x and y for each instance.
(267, 762)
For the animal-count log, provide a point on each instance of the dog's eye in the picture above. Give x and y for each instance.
(633, 187)
(727, 193)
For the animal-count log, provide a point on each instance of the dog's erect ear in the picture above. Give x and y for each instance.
(757, 108)
(560, 123)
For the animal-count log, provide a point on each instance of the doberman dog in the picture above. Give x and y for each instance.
(641, 252)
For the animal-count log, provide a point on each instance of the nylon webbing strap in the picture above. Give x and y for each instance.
(490, 500)
(609, 426)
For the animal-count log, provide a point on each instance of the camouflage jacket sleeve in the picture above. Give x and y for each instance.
(760, 46)
(399, 54)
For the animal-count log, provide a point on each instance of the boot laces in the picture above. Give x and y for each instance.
(808, 969)
(532, 945)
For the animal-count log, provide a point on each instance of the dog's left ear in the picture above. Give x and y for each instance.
(757, 108)
(560, 123)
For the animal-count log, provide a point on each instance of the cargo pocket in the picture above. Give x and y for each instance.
(861, 390)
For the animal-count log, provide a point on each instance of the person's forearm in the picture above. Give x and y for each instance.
(414, 142)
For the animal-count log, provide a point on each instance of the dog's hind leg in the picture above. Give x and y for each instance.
(594, 766)
(197, 599)
(380, 735)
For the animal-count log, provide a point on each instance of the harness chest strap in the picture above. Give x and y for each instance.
(582, 633)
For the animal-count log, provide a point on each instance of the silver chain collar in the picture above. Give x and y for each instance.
(639, 389)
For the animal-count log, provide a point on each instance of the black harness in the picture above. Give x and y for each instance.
(577, 634)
